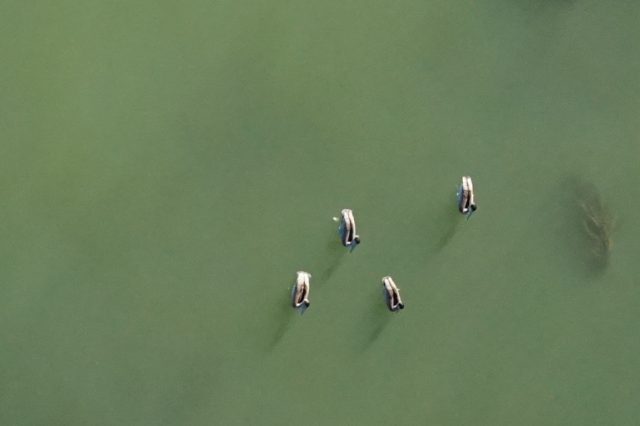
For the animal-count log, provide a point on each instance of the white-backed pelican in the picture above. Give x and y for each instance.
(466, 199)
(392, 294)
(300, 292)
(347, 230)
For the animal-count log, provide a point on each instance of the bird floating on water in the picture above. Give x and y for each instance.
(466, 199)
(392, 294)
(300, 292)
(347, 229)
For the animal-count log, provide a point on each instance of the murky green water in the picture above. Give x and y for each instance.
(166, 168)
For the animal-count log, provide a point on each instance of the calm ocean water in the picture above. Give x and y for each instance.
(167, 168)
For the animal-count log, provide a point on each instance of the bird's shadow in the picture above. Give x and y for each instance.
(439, 228)
(331, 259)
(375, 320)
(283, 318)
(449, 222)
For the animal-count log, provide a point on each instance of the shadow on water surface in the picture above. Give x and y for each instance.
(283, 320)
(449, 222)
(331, 259)
(439, 228)
(375, 320)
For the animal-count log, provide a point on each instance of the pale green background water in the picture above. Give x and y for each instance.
(166, 167)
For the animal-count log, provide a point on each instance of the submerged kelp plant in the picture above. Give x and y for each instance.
(598, 222)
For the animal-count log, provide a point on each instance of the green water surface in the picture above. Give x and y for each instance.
(167, 167)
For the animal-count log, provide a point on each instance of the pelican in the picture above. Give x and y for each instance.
(347, 230)
(392, 294)
(300, 292)
(466, 200)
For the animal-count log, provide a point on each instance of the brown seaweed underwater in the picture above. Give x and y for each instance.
(598, 223)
